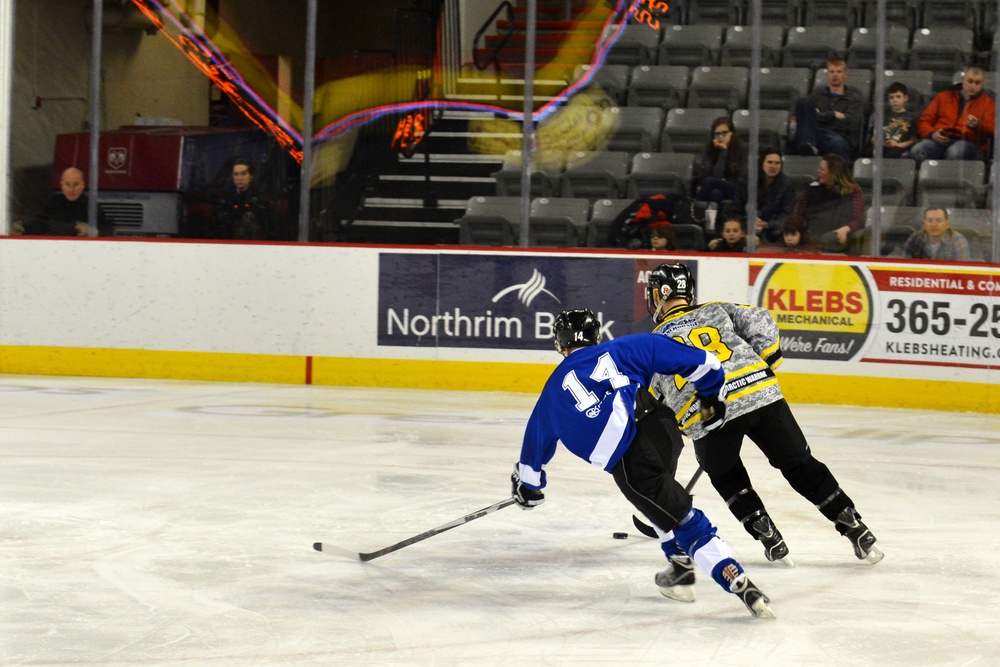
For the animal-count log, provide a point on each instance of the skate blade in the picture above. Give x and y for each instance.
(679, 593)
(874, 555)
(761, 609)
(786, 561)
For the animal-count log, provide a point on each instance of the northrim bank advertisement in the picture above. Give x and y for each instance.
(504, 301)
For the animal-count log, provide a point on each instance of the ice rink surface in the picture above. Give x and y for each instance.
(172, 523)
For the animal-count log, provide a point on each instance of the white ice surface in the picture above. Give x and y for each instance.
(171, 523)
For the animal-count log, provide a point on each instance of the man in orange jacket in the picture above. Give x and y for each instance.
(958, 122)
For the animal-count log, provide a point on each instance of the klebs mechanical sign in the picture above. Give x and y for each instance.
(499, 301)
(824, 310)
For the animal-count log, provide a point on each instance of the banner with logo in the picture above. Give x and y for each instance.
(939, 317)
(883, 313)
(504, 301)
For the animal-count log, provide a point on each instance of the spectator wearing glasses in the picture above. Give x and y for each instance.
(723, 164)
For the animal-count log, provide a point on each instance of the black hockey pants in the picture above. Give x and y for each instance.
(646, 472)
(776, 433)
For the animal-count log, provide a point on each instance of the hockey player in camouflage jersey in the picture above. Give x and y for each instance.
(746, 340)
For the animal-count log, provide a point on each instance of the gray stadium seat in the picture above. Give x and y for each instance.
(942, 51)
(953, 183)
(901, 13)
(595, 174)
(976, 225)
(812, 45)
(489, 221)
(612, 79)
(777, 12)
(603, 214)
(656, 173)
(689, 237)
(690, 45)
(634, 129)
(864, 42)
(546, 170)
(801, 169)
(951, 13)
(557, 222)
(781, 87)
(636, 45)
(663, 86)
(738, 45)
(687, 130)
(898, 180)
(773, 125)
(724, 87)
(830, 12)
(724, 12)
(893, 239)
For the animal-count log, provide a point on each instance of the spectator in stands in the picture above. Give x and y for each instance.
(958, 123)
(830, 119)
(937, 240)
(791, 235)
(831, 208)
(775, 198)
(65, 214)
(244, 213)
(630, 228)
(900, 130)
(723, 164)
(733, 237)
(661, 237)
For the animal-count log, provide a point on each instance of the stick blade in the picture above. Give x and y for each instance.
(337, 551)
(644, 528)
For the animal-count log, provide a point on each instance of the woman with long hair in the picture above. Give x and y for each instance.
(831, 207)
(775, 197)
(723, 164)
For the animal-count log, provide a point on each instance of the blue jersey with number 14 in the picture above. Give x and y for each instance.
(589, 400)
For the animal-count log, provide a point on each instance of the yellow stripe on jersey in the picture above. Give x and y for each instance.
(746, 391)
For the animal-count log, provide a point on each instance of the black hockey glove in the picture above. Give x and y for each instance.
(713, 411)
(526, 497)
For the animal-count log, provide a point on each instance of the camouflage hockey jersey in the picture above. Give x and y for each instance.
(747, 342)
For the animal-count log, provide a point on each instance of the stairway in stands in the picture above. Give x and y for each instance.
(420, 200)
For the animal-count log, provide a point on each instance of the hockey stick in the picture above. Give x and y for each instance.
(365, 557)
(648, 530)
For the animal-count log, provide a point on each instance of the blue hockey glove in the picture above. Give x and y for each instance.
(713, 412)
(525, 496)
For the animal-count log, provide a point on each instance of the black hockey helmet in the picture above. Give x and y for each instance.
(668, 281)
(576, 328)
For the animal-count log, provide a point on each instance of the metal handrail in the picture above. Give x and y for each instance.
(495, 55)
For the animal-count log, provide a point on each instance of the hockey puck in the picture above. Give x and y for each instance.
(620, 536)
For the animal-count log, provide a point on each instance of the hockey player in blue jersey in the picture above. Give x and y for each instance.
(746, 340)
(597, 403)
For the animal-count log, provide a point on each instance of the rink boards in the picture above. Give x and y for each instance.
(859, 333)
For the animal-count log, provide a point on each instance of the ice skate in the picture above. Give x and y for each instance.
(757, 603)
(850, 526)
(677, 581)
(775, 548)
